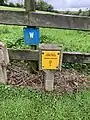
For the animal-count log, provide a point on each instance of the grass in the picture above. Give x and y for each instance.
(72, 40)
(11, 8)
(20, 9)
(27, 104)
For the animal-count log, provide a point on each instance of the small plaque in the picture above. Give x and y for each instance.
(51, 60)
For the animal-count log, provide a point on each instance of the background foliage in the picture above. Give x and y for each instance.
(44, 6)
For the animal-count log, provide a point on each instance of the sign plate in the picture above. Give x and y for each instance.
(51, 60)
(31, 36)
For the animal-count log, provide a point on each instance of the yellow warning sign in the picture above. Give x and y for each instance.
(50, 59)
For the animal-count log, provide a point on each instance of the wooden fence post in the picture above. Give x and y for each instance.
(30, 5)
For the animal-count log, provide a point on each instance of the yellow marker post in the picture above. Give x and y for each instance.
(50, 60)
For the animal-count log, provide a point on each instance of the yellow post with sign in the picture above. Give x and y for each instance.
(50, 60)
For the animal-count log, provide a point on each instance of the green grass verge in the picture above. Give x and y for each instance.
(11, 8)
(72, 40)
(27, 104)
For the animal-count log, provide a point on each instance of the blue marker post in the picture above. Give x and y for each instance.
(31, 34)
(32, 38)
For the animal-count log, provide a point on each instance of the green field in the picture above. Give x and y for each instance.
(27, 104)
(72, 40)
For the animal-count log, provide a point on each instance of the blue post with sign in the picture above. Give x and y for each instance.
(31, 36)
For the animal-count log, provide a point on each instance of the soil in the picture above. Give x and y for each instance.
(66, 81)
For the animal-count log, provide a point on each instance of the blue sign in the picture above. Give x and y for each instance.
(31, 36)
